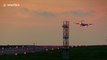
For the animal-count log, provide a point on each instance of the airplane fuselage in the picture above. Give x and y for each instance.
(84, 24)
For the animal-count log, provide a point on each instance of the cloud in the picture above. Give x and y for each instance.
(24, 10)
(43, 13)
(38, 13)
(79, 13)
(51, 14)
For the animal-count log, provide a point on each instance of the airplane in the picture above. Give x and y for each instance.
(84, 24)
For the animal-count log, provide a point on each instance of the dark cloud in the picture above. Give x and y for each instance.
(79, 13)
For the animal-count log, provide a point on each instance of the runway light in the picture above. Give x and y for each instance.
(46, 49)
(58, 48)
(16, 53)
(52, 48)
(16, 46)
(24, 52)
(2, 48)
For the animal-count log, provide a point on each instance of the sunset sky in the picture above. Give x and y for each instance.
(40, 22)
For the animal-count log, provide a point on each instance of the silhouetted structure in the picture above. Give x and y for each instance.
(65, 40)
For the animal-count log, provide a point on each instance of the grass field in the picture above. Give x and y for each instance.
(77, 53)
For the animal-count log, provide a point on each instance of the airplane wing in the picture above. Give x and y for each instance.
(90, 24)
(77, 23)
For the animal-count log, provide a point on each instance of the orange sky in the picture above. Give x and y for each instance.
(40, 21)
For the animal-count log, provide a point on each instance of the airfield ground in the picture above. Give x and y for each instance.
(75, 53)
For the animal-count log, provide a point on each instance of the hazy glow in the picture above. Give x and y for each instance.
(40, 21)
